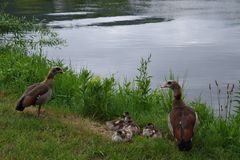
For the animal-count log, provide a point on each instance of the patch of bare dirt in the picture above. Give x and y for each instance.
(77, 121)
(2, 94)
(94, 126)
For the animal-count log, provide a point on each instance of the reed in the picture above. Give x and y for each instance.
(218, 99)
(231, 100)
(227, 102)
(210, 91)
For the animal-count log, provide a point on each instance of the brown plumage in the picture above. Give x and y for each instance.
(182, 119)
(38, 93)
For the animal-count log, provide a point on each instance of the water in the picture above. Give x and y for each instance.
(197, 39)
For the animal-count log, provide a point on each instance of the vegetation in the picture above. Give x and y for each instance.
(24, 136)
(25, 35)
(224, 108)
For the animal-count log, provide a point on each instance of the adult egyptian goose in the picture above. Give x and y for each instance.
(151, 131)
(38, 93)
(182, 119)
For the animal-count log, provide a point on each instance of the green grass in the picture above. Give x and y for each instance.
(24, 136)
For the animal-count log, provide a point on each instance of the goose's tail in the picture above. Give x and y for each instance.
(184, 145)
(19, 106)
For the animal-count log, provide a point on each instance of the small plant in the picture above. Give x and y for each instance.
(143, 81)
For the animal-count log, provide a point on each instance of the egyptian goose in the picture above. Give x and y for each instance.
(38, 93)
(122, 135)
(119, 122)
(151, 131)
(182, 120)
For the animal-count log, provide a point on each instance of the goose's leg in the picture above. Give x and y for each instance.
(39, 108)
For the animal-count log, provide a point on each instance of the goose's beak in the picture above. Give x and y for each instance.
(164, 86)
(61, 71)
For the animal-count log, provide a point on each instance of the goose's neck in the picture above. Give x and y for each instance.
(49, 80)
(177, 93)
(177, 100)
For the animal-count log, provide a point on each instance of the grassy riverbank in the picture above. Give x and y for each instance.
(60, 135)
(24, 136)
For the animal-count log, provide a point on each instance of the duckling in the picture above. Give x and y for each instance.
(132, 126)
(126, 116)
(122, 135)
(119, 122)
(182, 120)
(115, 125)
(38, 93)
(151, 131)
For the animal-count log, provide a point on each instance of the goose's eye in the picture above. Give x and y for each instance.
(169, 82)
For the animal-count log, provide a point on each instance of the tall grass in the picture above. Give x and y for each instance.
(224, 106)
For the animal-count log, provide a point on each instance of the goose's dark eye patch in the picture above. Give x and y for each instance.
(169, 83)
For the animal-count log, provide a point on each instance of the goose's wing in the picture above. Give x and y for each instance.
(32, 94)
(182, 122)
(170, 125)
(196, 122)
(30, 88)
(38, 90)
(188, 123)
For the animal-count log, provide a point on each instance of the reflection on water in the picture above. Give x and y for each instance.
(106, 21)
(69, 13)
(196, 38)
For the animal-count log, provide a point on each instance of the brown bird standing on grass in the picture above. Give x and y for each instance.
(38, 93)
(182, 119)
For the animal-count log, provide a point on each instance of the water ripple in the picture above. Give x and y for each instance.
(107, 21)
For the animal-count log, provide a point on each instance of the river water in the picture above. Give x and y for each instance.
(198, 40)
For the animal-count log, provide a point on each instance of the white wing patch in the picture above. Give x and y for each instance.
(170, 125)
(196, 123)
